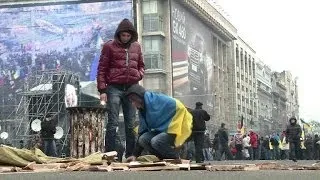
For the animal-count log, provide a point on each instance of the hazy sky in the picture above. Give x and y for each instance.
(286, 36)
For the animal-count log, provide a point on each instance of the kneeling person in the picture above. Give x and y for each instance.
(164, 123)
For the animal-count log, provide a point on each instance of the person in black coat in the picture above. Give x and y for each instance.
(215, 146)
(224, 140)
(293, 137)
(48, 129)
(200, 117)
(316, 147)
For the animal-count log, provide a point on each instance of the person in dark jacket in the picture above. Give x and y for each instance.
(120, 66)
(164, 123)
(275, 142)
(215, 146)
(224, 140)
(293, 133)
(308, 143)
(48, 129)
(316, 147)
(200, 117)
(266, 147)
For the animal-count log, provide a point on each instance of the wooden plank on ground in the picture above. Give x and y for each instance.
(185, 167)
(117, 168)
(138, 165)
(102, 168)
(270, 166)
(34, 166)
(156, 168)
(78, 167)
(177, 161)
(198, 166)
(4, 169)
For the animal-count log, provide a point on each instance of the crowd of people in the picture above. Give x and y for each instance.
(250, 146)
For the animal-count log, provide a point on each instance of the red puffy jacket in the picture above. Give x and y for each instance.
(253, 139)
(120, 63)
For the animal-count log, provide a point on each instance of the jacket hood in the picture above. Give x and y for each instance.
(126, 26)
(136, 89)
(294, 120)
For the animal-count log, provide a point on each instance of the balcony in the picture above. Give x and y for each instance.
(152, 23)
(153, 60)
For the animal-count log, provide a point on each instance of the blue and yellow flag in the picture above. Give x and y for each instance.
(165, 114)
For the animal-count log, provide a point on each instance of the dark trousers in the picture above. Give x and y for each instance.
(309, 153)
(316, 153)
(255, 153)
(50, 148)
(294, 150)
(239, 152)
(198, 138)
(276, 152)
(224, 149)
(159, 144)
(116, 97)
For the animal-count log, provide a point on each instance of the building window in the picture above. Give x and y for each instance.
(242, 77)
(241, 59)
(239, 107)
(243, 109)
(237, 56)
(152, 16)
(242, 98)
(246, 80)
(245, 62)
(250, 70)
(152, 48)
(247, 90)
(238, 85)
(250, 111)
(152, 22)
(239, 97)
(242, 88)
(238, 74)
(153, 61)
(149, 7)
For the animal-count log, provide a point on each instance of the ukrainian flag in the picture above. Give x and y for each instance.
(165, 114)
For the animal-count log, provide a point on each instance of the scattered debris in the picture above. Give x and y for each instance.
(22, 160)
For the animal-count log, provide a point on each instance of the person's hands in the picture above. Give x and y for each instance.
(131, 158)
(103, 98)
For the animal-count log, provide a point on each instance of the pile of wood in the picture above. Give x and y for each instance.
(106, 162)
(165, 165)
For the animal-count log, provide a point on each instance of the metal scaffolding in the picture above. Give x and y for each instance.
(43, 93)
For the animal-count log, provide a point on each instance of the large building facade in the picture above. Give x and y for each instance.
(187, 50)
(285, 99)
(264, 92)
(279, 97)
(243, 86)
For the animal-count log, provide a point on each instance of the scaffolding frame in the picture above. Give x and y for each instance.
(43, 92)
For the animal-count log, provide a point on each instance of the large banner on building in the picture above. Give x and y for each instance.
(66, 36)
(192, 58)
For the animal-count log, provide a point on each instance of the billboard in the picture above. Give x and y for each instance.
(192, 58)
(46, 37)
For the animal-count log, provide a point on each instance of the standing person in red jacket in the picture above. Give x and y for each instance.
(254, 144)
(120, 66)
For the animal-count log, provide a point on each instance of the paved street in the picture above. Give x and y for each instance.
(178, 175)
(168, 175)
